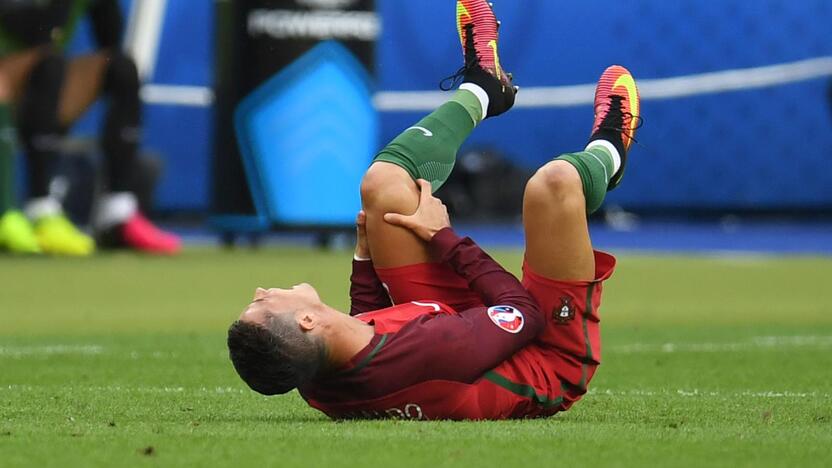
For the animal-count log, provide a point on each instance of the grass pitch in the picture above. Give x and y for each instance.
(120, 360)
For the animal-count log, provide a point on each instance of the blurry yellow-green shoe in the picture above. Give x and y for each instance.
(58, 236)
(17, 235)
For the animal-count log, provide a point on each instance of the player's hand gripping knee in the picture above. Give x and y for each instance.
(430, 218)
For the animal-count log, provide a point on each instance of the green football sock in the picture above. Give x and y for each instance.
(428, 149)
(7, 185)
(595, 166)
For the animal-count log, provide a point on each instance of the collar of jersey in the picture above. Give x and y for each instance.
(374, 346)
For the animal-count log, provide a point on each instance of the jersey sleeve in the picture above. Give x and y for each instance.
(366, 291)
(459, 348)
(485, 276)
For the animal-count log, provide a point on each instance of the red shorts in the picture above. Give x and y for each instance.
(563, 358)
(571, 341)
(428, 281)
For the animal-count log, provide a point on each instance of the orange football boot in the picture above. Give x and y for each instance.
(479, 34)
(616, 113)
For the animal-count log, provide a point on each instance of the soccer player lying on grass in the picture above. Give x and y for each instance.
(467, 340)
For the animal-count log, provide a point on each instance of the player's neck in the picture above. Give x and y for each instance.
(345, 336)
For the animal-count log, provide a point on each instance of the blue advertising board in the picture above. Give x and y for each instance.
(306, 137)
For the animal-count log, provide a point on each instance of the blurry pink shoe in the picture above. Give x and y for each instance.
(138, 233)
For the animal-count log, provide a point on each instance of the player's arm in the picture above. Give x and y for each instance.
(484, 275)
(462, 347)
(366, 291)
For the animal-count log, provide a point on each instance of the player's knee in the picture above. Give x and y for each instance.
(555, 186)
(372, 185)
(556, 181)
(384, 185)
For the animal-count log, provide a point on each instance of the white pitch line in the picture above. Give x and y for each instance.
(153, 355)
(740, 79)
(695, 392)
(758, 342)
(127, 389)
(49, 350)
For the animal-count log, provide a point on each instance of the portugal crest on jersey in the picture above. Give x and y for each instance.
(565, 313)
(506, 317)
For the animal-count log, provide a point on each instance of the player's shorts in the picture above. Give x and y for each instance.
(571, 341)
(553, 372)
(432, 281)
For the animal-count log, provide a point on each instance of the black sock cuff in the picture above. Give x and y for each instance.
(498, 98)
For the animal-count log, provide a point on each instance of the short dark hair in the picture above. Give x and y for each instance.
(276, 358)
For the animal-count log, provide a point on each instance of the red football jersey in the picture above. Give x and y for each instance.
(429, 361)
(511, 390)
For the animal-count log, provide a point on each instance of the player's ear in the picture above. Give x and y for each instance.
(307, 321)
(259, 292)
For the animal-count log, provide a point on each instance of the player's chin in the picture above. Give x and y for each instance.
(307, 290)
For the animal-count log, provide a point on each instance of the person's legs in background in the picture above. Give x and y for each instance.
(41, 133)
(16, 233)
(54, 95)
(118, 219)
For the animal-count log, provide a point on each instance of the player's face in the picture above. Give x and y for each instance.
(278, 301)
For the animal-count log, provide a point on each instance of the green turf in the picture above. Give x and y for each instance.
(120, 360)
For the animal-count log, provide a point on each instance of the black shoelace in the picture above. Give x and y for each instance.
(471, 60)
(616, 119)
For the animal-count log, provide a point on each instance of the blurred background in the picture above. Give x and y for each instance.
(737, 102)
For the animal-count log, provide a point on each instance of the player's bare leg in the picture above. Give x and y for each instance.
(428, 149)
(387, 188)
(563, 192)
(554, 219)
